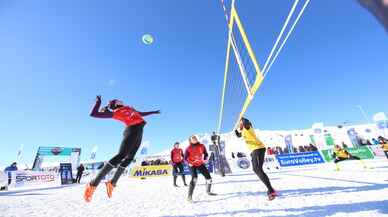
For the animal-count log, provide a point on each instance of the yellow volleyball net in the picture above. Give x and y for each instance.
(243, 75)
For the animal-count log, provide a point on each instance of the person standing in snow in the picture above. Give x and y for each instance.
(177, 163)
(258, 150)
(196, 155)
(80, 171)
(8, 170)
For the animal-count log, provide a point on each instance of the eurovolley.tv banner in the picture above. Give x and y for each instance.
(299, 159)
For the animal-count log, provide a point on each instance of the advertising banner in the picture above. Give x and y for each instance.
(160, 170)
(362, 152)
(65, 170)
(243, 163)
(289, 144)
(377, 150)
(354, 138)
(56, 154)
(329, 139)
(299, 159)
(381, 122)
(151, 171)
(3, 180)
(318, 137)
(21, 179)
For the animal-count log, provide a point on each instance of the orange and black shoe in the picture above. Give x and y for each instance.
(272, 195)
(89, 191)
(109, 188)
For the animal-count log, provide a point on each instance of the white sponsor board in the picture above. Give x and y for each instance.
(377, 150)
(3, 179)
(27, 179)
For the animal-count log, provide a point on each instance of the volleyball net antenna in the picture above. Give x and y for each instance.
(243, 75)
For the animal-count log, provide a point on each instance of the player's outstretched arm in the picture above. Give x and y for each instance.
(96, 113)
(149, 113)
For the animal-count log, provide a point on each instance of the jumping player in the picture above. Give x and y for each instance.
(258, 150)
(196, 155)
(177, 163)
(132, 138)
(340, 154)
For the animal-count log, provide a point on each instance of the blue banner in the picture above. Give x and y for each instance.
(66, 173)
(299, 159)
(57, 151)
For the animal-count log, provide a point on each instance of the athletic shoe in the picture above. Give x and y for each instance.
(109, 188)
(189, 199)
(272, 195)
(212, 194)
(88, 194)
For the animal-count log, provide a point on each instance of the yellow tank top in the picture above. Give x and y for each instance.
(341, 153)
(385, 146)
(251, 140)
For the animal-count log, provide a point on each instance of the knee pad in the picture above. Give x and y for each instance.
(194, 181)
(209, 181)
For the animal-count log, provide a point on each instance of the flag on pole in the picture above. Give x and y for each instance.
(94, 152)
(19, 153)
(144, 148)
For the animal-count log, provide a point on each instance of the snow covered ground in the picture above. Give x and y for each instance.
(318, 191)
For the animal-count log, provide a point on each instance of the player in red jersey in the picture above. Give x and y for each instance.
(177, 163)
(132, 137)
(196, 155)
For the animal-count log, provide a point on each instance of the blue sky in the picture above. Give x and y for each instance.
(55, 56)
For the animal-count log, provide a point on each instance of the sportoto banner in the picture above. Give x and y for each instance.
(34, 179)
(151, 171)
(362, 152)
(299, 159)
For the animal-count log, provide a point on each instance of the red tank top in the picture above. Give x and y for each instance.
(176, 155)
(195, 154)
(128, 115)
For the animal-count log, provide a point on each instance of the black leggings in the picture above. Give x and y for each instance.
(178, 167)
(202, 169)
(257, 164)
(78, 178)
(386, 153)
(128, 148)
(130, 144)
(339, 159)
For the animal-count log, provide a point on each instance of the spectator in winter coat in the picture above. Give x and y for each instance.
(8, 170)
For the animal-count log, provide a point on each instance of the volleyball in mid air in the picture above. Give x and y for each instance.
(147, 39)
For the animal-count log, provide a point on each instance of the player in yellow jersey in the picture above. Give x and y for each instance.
(257, 148)
(340, 154)
(384, 145)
